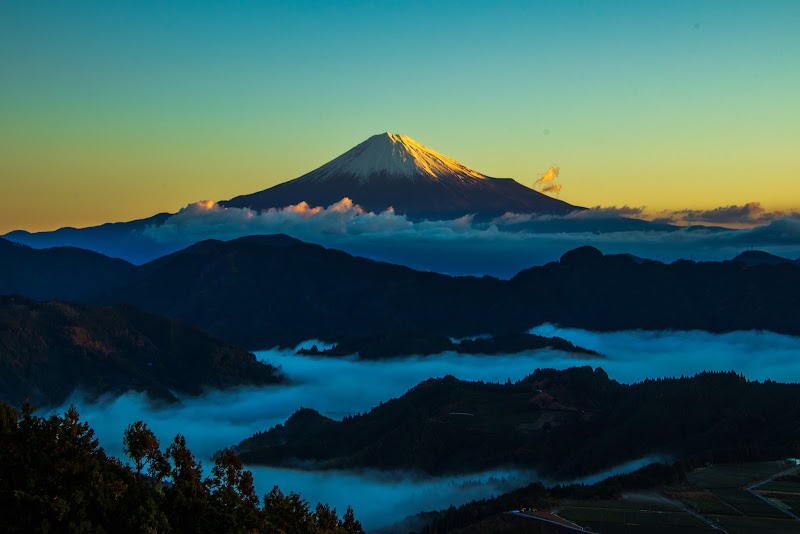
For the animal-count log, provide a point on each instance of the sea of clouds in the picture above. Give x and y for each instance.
(500, 247)
(341, 386)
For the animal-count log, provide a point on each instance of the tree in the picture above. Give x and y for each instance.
(143, 447)
(350, 524)
(187, 498)
(326, 519)
(233, 493)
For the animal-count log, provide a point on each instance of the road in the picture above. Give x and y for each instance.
(752, 490)
(575, 528)
(704, 519)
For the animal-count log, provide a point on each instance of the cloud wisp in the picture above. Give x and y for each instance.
(546, 182)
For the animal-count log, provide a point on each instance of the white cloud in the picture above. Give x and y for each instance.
(501, 247)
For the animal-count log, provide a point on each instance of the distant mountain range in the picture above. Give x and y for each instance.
(394, 171)
(565, 424)
(385, 171)
(118, 240)
(50, 349)
(262, 291)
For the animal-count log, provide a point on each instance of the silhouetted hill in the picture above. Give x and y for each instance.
(751, 258)
(615, 292)
(50, 349)
(262, 291)
(562, 423)
(118, 240)
(267, 290)
(58, 273)
(398, 345)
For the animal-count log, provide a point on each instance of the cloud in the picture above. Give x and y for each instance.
(750, 214)
(340, 386)
(545, 182)
(500, 247)
(550, 188)
(598, 212)
(549, 175)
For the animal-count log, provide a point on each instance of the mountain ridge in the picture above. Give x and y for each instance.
(263, 291)
(563, 423)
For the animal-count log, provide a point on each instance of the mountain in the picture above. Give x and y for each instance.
(58, 273)
(50, 349)
(390, 170)
(564, 424)
(263, 291)
(118, 240)
(751, 258)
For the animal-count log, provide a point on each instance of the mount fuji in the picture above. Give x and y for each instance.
(395, 171)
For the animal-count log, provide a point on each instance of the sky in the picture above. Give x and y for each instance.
(113, 111)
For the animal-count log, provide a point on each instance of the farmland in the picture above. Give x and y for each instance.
(717, 498)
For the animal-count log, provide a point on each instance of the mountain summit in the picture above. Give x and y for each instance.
(393, 156)
(394, 171)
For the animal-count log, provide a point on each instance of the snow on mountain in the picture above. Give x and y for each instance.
(394, 171)
(393, 156)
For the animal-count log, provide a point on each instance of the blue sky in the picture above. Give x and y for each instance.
(112, 110)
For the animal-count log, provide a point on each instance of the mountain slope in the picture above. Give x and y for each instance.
(266, 290)
(118, 240)
(390, 170)
(58, 273)
(50, 349)
(751, 258)
(563, 423)
(261, 291)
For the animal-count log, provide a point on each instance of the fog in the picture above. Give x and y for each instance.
(341, 386)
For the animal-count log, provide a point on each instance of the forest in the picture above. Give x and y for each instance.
(54, 477)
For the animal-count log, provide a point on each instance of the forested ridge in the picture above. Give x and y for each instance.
(565, 424)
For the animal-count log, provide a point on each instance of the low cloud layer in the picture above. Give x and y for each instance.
(748, 214)
(500, 247)
(339, 387)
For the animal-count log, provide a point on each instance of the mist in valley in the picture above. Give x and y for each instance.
(343, 386)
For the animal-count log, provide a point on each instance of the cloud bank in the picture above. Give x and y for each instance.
(748, 214)
(500, 247)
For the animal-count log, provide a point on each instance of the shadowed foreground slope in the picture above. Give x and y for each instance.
(50, 349)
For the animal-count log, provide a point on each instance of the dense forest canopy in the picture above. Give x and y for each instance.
(54, 477)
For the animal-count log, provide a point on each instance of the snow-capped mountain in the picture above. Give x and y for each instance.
(392, 156)
(390, 170)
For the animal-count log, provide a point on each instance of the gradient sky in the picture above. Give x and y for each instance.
(117, 110)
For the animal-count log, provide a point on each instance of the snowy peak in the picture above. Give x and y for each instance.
(390, 171)
(393, 156)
